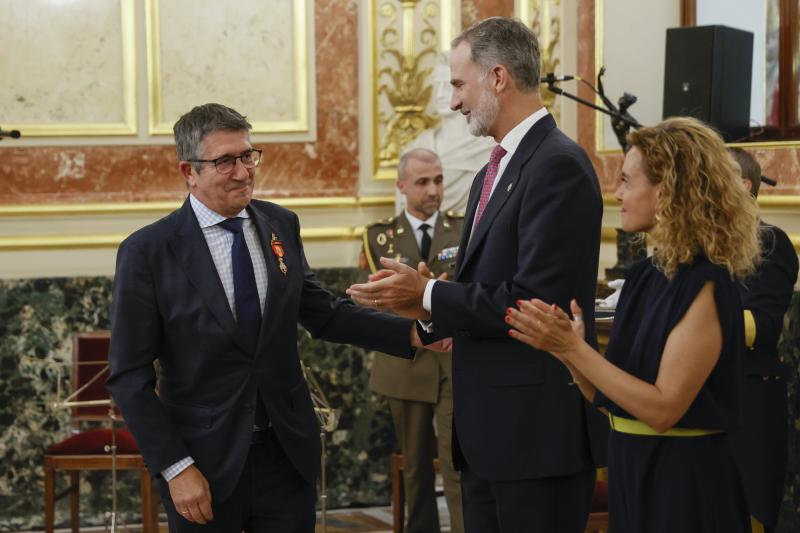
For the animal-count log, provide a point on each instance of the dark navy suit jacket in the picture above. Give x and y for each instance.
(760, 443)
(169, 305)
(515, 416)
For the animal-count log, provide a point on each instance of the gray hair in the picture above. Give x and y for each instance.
(192, 128)
(506, 42)
(420, 154)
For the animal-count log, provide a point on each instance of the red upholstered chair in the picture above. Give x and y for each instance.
(86, 450)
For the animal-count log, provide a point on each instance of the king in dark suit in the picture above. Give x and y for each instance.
(525, 440)
(214, 292)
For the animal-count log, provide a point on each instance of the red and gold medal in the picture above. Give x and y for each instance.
(277, 249)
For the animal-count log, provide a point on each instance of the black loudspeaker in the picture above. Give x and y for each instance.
(707, 75)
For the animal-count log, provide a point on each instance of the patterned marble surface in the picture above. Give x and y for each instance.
(74, 71)
(473, 11)
(230, 52)
(37, 318)
(326, 167)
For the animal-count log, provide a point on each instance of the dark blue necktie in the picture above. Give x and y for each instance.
(246, 302)
(245, 291)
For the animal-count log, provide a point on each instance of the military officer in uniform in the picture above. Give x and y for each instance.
(419, 391)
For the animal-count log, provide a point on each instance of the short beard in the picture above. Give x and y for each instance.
(484, 114)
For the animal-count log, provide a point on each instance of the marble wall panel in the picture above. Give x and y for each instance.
(72, 60)
(326, 167)
(37, 319)
(228, 52)
(473, 11)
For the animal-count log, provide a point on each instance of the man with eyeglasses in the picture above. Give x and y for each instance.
(215, 291)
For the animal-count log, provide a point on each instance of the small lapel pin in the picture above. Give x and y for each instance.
(509, 187)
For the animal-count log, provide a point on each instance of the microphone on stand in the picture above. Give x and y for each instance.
(769, 181)
(14, 134)
(552, 78)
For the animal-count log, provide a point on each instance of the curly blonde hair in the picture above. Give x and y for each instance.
(703, 207)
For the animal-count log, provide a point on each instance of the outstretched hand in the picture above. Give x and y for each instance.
(397, 288)
(546, 327)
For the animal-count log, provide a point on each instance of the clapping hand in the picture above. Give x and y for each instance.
(546, 327)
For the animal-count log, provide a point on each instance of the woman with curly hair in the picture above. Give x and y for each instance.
(670, 379)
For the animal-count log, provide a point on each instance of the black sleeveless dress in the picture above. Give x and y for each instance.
(670, 484)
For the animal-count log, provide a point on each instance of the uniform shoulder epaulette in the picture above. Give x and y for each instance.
(381, 222)
(455, 214)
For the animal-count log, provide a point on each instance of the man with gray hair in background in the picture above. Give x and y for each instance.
(526, 442)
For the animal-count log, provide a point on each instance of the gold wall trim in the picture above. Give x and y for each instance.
(113, 240)
(300, 42)
(599, 134)
(767, 201)
(407, 114)
(609, 236)
(320, 234)
(108, 208)
(129, 125)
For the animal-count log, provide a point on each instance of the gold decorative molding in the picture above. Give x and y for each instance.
(113, 240)
(129, 125)
(608, 235)
(767, 201)
(109, 208)
(400, 76)
(544, 18)
(159, 125)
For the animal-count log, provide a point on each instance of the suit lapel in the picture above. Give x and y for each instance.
(508, 182)
(469, 218)
(191, 249)
(276, 280)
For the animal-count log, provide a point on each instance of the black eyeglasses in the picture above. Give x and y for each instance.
(226, 163)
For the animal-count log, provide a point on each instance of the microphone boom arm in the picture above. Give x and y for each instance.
(620, 121)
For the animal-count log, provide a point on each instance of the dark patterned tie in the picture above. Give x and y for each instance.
(425, 243)
(245, 291)
(488, 180)
(246, 302)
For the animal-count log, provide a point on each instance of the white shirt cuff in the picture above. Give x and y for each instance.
(426, 297)
(171, 471)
